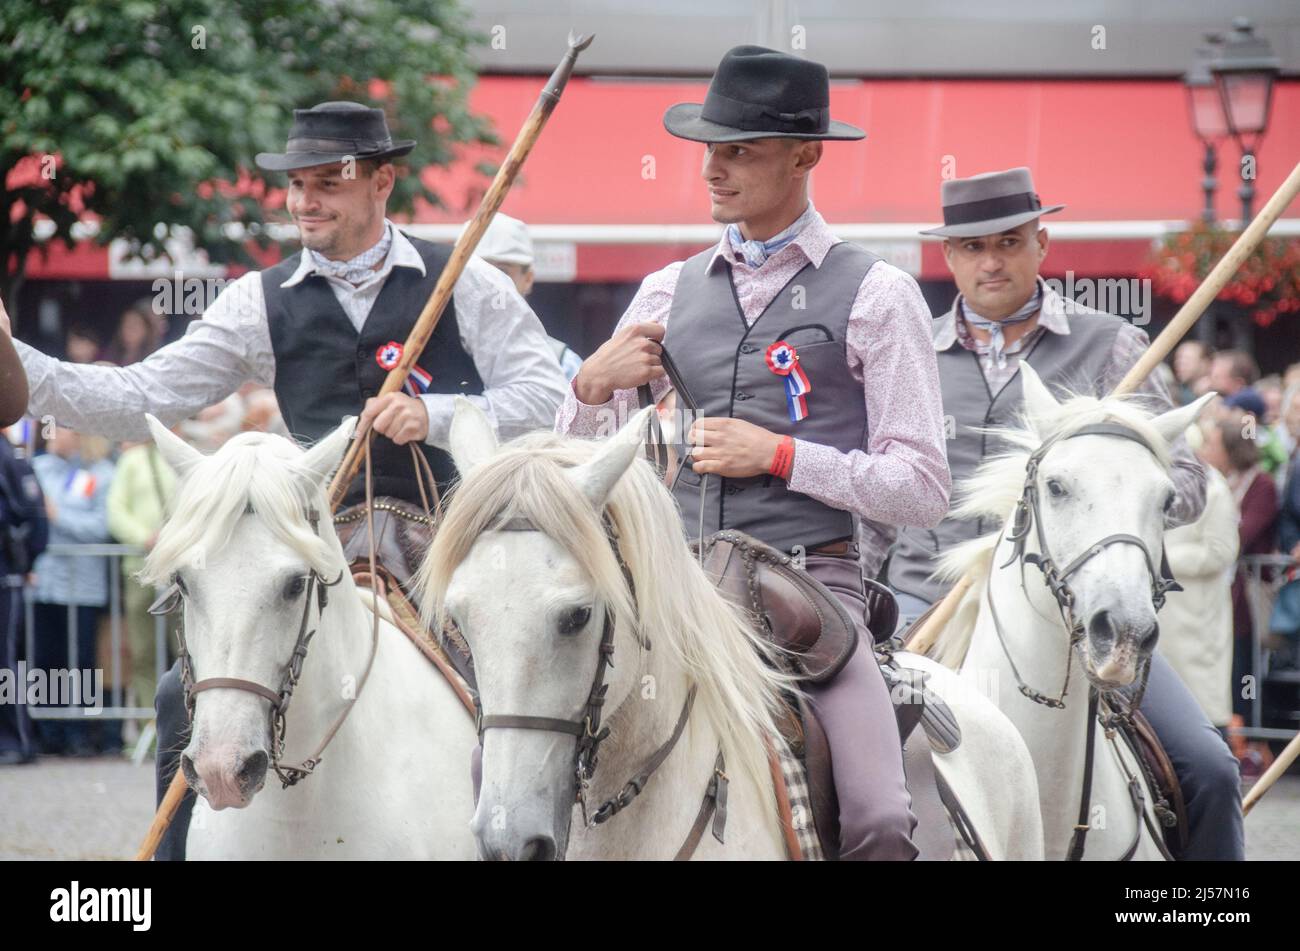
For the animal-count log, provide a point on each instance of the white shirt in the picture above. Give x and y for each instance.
(522, 382)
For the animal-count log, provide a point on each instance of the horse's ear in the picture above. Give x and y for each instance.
(179, 454)
(1039, 401)
(596, 477)
(1172, 423)
(472, 439)
(323, 458)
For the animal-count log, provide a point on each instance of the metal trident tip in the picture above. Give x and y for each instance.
(580, 42)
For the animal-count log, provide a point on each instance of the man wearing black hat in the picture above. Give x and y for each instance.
(1005, 313)
(810, 361)
(324, 327)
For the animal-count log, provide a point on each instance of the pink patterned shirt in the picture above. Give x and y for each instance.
(900, 476)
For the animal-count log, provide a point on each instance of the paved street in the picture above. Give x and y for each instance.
(99, 809)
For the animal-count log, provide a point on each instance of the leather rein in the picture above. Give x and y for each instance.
(1028, 515)
(589, 733)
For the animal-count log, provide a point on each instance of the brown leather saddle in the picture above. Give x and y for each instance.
(403, 533)
(796, 611)
(815, 629)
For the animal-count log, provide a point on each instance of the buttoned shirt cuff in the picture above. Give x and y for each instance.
(441, 407)
(809, 459)
(577, 418)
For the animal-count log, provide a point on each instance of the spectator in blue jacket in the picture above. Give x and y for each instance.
(71, 591)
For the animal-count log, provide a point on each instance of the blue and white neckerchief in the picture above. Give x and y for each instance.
(360, 268)
(754, 253)
(997, 342)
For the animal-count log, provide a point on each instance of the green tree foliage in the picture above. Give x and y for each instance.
(142, 112)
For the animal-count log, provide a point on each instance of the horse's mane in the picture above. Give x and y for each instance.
(679, 611)
(995, 487)
(257, 470)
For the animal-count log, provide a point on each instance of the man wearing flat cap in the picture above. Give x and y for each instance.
(323, 328)
(811, 364)
(1004, 313)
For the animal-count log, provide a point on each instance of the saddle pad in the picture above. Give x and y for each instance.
(801, 815)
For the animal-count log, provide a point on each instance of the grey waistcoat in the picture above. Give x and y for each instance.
(1074, 361)
(723, 364)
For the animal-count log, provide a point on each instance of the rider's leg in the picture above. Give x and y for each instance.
(173, 735)
(855, 710)
(1206, 768)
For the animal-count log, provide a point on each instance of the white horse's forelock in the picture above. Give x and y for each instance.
(995, 487)
(678, 609)
(257, 470)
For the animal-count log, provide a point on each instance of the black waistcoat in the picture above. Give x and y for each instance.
(325, 369)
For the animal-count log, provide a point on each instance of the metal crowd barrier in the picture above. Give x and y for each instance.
(116, 709)
(1264, 577)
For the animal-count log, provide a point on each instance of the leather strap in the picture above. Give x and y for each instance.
(431, 651)
(632, 788)
(1079, 839)
(714, 806)
(514, 721)
(235, 683)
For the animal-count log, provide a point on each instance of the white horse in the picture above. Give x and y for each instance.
(250, 549)
(553, 547)
(1101, 499)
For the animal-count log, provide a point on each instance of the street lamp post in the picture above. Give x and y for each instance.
(1208, 122)
(1244, 71)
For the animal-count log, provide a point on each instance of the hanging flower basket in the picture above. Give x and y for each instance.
(1267, 284)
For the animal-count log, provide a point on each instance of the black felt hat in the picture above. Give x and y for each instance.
(333, 132)
(758, 93)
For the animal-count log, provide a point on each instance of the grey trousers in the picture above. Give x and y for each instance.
(855, 710)
(1207, 770)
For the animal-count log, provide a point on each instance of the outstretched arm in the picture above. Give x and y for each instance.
(13, 381)
(229, 346)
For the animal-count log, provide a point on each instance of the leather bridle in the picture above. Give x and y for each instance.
(171, 598)
(589, 732)
(1028, 515)
(317, 593)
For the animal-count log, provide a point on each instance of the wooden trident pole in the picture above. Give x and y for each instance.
(934, 622)
(419, 338)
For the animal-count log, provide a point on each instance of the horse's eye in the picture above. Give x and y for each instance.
(1169, 502)
(295, 588)
(1055, 489)
(575, 620)
(180, 584)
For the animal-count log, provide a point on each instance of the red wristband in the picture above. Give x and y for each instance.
(783, 460)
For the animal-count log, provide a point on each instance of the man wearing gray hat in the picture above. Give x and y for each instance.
(1005, 313)
(809, 359)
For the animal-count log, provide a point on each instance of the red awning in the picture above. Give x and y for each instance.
(607, 180)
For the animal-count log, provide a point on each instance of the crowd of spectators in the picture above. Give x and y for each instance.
(97, 493)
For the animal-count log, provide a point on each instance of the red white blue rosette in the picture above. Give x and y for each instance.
(783, 360)
(389, 355)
